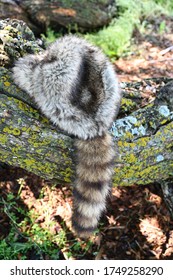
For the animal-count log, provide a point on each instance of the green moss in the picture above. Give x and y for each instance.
(2, 120)
(12, 131)
(67, 174)
(16, 132)
(16, 150)
(143, 141)
(3, 139)
(26, 108)
(127, 105)
(131, 158)
(7, 84)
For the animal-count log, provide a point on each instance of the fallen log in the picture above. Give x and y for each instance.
(74, 15)
(70, 15)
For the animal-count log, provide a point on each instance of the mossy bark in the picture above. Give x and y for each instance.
(74, 15)
(143, 139)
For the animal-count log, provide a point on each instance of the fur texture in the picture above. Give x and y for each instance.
(75, 86)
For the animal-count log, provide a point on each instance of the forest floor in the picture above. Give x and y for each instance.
(137, 224)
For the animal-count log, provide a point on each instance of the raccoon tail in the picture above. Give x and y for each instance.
(94, 171)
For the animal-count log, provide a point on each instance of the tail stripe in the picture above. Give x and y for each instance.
(82, 223)
(82, 230)
(94, 172)
(97, 186)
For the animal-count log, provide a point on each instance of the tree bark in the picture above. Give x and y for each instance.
(77, 14)
(12, 9)
(143, 139)
(74, 15)
(167, 189)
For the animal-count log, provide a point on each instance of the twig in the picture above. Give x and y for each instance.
(160, 60)
(163, 52)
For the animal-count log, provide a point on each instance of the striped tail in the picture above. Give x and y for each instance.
(94, 173)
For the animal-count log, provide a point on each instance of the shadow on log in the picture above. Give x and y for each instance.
(143, 138)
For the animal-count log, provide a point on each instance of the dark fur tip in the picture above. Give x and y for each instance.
(82, 232)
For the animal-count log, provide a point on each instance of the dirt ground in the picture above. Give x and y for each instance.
(137, 224)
